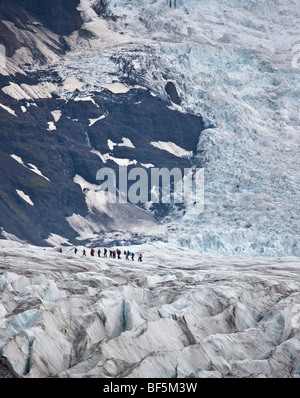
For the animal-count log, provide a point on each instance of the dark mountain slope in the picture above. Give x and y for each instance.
(32, 138)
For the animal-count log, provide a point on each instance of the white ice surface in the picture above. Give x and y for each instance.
(179, 313)
(117, 88)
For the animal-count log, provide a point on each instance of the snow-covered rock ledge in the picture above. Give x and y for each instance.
(179, 313)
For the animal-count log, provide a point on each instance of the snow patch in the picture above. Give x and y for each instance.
(8, 109)
(25, 91)
(93, 121)
(172, 148)
(147, 165)
(57, 240)
(33, 168)
(11, 237)
(126, 142)
(111, 144)
(51, 126)
(86, 99)
(120, 161)
(117, 88)
(30, 166)
(24, 197)
(70, 84)
(56, 115)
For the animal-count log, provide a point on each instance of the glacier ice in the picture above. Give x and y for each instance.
(232, 62)
(198, 305)
(179, 313)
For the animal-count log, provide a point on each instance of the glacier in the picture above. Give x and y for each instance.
(217, 293)
(180, 313)
(233, 64)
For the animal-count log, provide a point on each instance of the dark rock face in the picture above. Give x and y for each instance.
(62, 153)
(69, 149)
(7, 37)
(5, 371)
(60, 16)
(28, 137)
(100, 7)
(172, 92)
(145, 119)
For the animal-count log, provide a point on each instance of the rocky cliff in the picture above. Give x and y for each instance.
(49, 125)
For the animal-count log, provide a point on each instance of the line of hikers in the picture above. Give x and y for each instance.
(112, 253)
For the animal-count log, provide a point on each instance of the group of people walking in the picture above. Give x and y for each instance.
(112, 253)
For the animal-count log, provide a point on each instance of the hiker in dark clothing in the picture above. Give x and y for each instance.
(132, 256)
(105, 252)
(83, 252)
(75, 250)
(99, 252)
